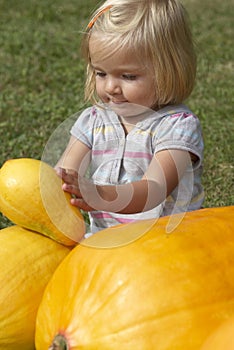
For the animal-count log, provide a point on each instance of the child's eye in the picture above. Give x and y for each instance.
(129, 76)
(100, 74)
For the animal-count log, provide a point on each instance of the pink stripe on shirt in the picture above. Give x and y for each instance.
(105, 215)
(100, 152)
(138, 155)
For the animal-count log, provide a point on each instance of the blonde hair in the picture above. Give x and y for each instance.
(158, 31)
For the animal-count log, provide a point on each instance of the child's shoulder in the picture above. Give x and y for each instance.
(89, 116)
(177, 123)
(179, 128)
(177, 111)
(179, 116)
(96, 112)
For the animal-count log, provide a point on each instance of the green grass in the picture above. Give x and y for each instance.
(42, 78)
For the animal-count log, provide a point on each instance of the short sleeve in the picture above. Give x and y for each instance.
(83, 127)
(180, 131)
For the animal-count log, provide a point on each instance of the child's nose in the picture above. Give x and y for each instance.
(112, 86)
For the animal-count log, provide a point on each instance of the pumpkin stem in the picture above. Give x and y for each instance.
(59, 343)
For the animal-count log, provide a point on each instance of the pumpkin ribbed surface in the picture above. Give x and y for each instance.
(32, 197)
(161, 291)
(27, 262)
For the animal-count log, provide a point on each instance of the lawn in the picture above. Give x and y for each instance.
(42, 78)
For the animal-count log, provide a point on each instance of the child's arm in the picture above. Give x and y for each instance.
(76, 156)
(162, 176)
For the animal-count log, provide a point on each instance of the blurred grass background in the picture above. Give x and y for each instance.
(42, 79)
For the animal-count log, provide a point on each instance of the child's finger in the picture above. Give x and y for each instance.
(71, 189)
(68, 175)
(81, 204)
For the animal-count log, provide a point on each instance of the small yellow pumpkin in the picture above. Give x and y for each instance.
(32, 197)
(27, 262)
(222, 338)
(161, 291)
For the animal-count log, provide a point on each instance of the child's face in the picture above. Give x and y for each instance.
(121, 78)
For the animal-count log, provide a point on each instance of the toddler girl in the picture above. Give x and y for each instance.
(136, 153)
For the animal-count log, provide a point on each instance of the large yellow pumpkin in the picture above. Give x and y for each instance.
(27, 262)
(32, 197)
(222, 338)
(161, 291)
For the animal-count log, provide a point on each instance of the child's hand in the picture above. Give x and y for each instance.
(67, 175)
(71, 185)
